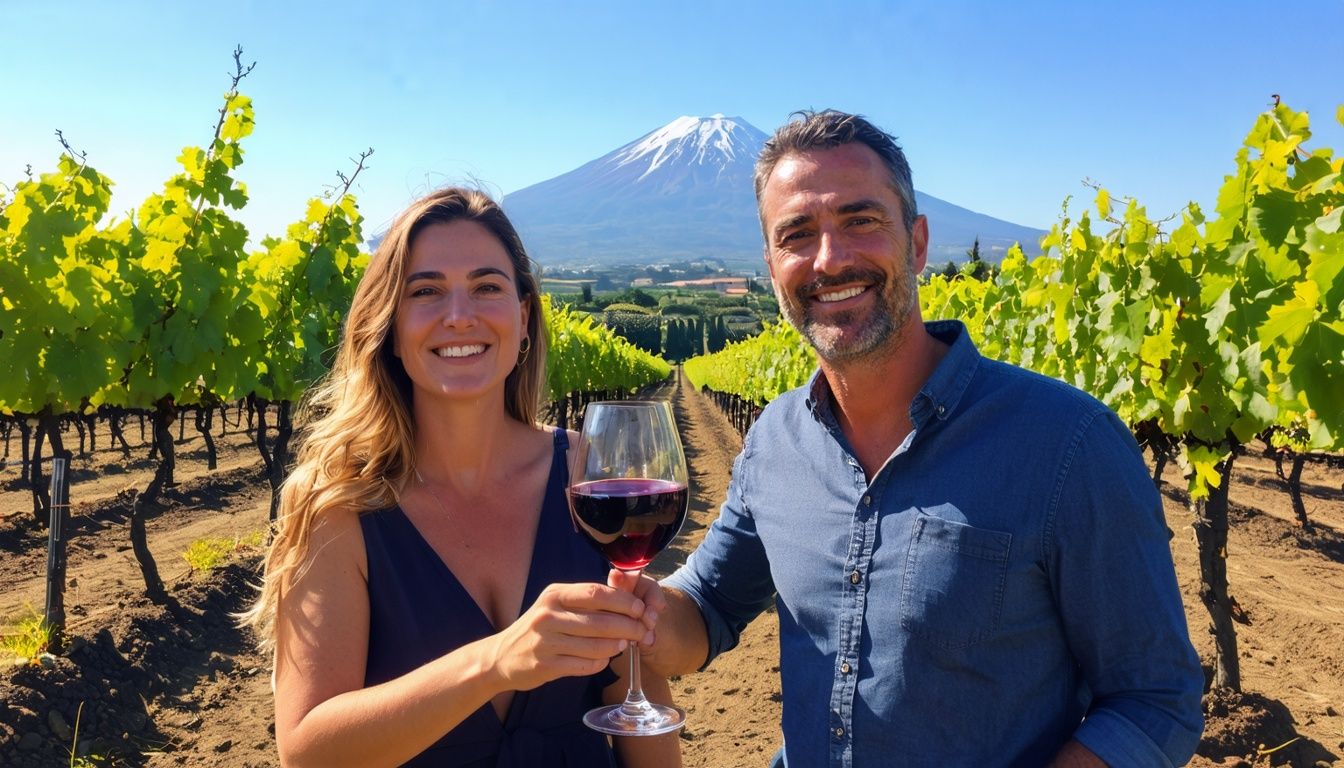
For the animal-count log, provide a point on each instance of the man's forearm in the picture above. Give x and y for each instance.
(681, 642)
(1075, 755)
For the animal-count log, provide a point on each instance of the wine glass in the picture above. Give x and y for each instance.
(628, 498)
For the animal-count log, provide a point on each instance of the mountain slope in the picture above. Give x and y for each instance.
(683, 192)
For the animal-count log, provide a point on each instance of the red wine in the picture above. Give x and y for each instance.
(629, 520)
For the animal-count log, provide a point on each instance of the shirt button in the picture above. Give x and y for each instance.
(844, 667)
(855, 577)
(941, 410)
(867, 499)
(839, 733)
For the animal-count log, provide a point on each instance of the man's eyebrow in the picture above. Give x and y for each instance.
(790, 223)
(859, 206)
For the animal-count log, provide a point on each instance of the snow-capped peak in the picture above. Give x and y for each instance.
(714, 140)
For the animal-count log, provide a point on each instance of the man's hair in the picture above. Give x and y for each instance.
(808, 130)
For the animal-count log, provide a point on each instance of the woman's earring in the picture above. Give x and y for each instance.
(523, 348)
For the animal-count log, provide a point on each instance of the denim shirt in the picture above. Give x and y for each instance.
(1002, 585)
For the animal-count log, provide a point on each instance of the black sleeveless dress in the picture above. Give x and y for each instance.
(419, 611)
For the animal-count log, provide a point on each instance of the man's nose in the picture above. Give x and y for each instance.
(832, 253)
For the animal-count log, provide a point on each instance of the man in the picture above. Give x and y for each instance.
(969, 561)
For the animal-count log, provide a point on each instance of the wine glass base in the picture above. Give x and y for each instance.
(644, 720)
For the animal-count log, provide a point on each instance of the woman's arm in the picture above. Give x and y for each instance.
(324, 717)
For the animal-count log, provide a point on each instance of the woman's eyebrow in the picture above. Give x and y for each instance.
(427, 275)
(475, 273)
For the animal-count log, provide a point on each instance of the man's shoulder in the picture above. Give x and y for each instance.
(787, 407)
(784, 415)
(793, 399)
(1037, 394)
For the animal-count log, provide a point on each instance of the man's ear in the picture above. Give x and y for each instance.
(919, 239)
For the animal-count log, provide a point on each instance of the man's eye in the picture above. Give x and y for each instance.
(792, 237)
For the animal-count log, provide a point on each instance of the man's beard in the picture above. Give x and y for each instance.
(852, 335)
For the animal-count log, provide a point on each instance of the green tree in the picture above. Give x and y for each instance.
(976, 267)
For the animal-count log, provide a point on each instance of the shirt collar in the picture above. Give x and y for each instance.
(939, 396)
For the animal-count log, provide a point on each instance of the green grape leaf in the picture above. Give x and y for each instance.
(238, 122)
(1273, 215)
(1103, 204)
(1203, 463)
(1318, 372)
(1290, 320)
(1327, 259)
(1261, 409)
(1329, 223)
(1217, 314)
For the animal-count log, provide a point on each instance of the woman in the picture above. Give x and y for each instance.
(426, 596)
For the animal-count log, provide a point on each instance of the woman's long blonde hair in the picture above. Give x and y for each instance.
(357, 441)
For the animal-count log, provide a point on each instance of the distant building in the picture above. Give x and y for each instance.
(642, 282)
(726, 285)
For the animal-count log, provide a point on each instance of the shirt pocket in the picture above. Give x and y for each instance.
(954, 581)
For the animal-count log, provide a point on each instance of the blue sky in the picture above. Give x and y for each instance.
(1003, 108)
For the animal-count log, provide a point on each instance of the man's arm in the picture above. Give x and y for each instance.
(681, 642)
(1075, 755)
(724, 584)
(1120, 606)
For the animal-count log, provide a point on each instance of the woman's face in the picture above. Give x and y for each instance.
(459, 318)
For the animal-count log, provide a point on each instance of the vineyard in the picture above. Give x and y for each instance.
(1219, 339)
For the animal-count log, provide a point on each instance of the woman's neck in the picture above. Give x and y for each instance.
(466, 447)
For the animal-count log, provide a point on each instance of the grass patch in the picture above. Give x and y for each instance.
(77, 760)
(27, 638)
(213, 551)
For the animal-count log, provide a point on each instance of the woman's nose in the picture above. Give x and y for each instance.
(458, 311)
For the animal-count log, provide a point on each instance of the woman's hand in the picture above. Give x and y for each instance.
(571, 630)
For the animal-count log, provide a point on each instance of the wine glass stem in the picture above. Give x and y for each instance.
(634, 697)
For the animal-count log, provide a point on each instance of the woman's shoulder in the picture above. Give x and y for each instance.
(337, 536)
(558, 437)
(552, 435)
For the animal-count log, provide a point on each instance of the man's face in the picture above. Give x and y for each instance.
(843, 264)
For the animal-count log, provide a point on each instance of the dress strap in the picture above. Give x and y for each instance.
(560, 466)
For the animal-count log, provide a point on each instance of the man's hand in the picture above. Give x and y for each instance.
(681, 643)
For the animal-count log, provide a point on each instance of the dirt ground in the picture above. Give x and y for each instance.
(177, 687)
